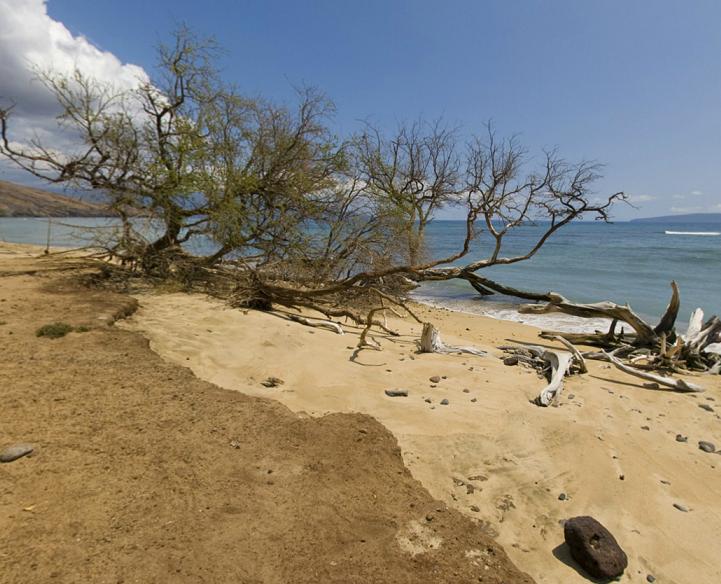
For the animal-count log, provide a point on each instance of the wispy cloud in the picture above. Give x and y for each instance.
(681, 196)
(695, 209)
(641, 198)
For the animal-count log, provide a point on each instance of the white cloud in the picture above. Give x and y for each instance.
(29, 40)
(641, 198)
(687, 209)
(681, 196)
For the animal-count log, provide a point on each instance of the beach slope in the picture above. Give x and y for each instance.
(143, 473)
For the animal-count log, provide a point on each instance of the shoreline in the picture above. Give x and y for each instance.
(488, 453)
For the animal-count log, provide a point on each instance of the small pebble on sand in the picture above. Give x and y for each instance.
(706, 446)
(14, 452)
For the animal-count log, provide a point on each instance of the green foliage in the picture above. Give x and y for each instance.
(55, 330)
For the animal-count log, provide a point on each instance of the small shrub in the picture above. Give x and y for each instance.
(82, 329)
(54, 330)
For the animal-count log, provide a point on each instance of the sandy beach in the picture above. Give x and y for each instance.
(141, 472)
(609, 450)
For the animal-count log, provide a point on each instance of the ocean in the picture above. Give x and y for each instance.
(625, 262)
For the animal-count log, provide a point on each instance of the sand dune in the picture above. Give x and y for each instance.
(610, 447)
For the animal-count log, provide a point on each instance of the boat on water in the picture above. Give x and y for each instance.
(692, 232)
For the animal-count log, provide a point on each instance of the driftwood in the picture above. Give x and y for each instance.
(677, 384)
(560, 363)
(668, 320)
(575, 352)
(325, 324)
(645, 334)
(556, 364)
(658, 347)
(431, 343)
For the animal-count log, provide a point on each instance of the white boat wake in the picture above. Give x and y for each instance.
(692, 232)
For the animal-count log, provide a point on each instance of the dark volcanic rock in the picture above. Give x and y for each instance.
(435, 379)
(14, 452)
(397, 392)
(594, 548)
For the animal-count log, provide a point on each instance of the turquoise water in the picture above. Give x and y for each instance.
(591, 261)
(586, 262)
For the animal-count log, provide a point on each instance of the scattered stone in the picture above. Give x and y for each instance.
(435, 379)
(571, 396)
(680, 507)
(429, 400)
(621, 477)
(680, 438)
(478, 478)
(652, 385)
(510, 361)
(397, 392)
(474, 400)
(14, 452)
(650, 578)
(444, 402)
(707, 446)
(272, 382)
(594, 548)
(562, 497)
(475, 508)
(444, 376)
(706, 407)
(466, 391)
(645, 428)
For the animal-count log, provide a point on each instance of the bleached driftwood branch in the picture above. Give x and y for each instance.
(575, 352)
(325, 324)
(431, 343)
(560, 363)
(677, 384)
(644, 333)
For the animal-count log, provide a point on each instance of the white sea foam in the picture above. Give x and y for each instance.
(509, 311)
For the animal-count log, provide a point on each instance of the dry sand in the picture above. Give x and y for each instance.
(610, 447)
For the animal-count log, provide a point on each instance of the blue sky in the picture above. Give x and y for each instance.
(635, 85)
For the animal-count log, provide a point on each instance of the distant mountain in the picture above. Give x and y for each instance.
(690, 218)
(21, 201)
